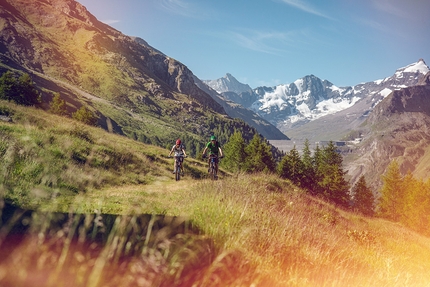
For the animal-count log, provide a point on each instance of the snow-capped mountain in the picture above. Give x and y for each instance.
(228, 83)
(310, 98)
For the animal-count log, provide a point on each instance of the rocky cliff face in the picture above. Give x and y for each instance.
(397, 129)
(62, 39)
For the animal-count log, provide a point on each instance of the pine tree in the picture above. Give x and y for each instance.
(363, 197)
(291, 167)
(318, 170)
(259, 156)
(234, 153)
(267, 157)
(57, 105)
(416, 204)
(28, 95)
(331, 177)
(390, 205)
(308, 180)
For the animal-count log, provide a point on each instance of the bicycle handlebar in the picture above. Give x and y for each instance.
(212, 155)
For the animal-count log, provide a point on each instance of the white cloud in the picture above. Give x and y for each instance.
(391, 7)
(302, 5)
(182, 8)
(374, 25)
(265, 42)
(174, 5)
(110, 22)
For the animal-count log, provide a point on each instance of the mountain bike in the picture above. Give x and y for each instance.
(179, 171)
(213, 163)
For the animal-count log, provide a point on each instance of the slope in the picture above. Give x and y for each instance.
(249, 229)
(133, 88)
(397, 129)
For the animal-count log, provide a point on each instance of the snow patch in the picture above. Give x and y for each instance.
(420, 67)
(385, 92)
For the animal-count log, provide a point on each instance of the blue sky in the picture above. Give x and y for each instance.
(271, 42)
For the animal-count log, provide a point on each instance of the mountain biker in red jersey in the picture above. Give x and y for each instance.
(214, 148)
(180, 153)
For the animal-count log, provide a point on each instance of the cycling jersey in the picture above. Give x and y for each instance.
(213, 148)
(178, 150)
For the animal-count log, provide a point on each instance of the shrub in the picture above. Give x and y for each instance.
(20, 90)
(86, 116)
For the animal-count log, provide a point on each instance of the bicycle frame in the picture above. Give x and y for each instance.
(178, 166)
(213, 163)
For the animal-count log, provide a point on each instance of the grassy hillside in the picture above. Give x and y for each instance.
(134, 89)
(244, 230)
(45, 156)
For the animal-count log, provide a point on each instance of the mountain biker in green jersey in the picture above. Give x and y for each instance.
(214, 149)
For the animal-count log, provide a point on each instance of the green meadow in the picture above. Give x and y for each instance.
(98, 209)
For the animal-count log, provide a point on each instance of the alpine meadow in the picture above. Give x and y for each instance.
(88, 116)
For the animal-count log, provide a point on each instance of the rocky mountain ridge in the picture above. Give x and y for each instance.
(397, 129)
(60, 43)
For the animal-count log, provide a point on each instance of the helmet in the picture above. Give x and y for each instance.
(178, 141)
(213, 138)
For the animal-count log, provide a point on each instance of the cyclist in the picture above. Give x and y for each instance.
(214, 148)
(179, 150)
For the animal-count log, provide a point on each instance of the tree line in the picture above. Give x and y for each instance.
(405, 199)
(319, 172)
(402, 198)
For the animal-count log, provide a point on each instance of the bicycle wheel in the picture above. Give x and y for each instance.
(178, 172)
(213, 171)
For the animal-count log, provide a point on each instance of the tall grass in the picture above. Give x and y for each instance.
(92, 189)
(297, 240)
(45, 155)
(248, 230)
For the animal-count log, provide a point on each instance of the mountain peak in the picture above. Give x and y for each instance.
(418, 67)
(425, 81)
(228, 83)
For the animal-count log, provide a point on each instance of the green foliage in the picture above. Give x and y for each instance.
(259, 156)
(390, 205)
(21, 90)
(234, 153)
(292, 167)
(5, 111)
(405, 199)
(331, 177)
(363, 198)
(57, 105)
(85, 116)
(308, 180)
(320, 174)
